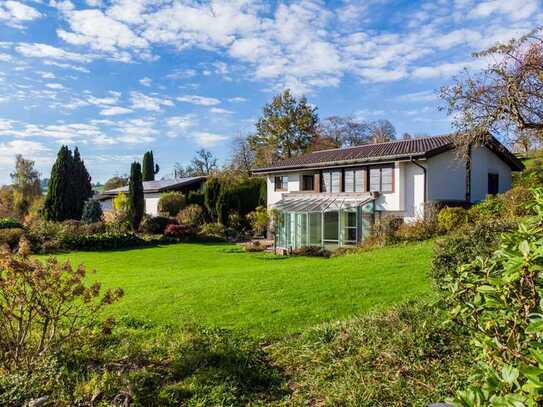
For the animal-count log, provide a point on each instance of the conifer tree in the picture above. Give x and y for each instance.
(69, 187)
(136, 200)
(149, 168)
(57, 203)
(82, 187)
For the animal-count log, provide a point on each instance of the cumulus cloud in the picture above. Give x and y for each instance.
(150, 103)
(38, 50)
(14, 13)
(177, 125)
(114, 111)
(206, 139)
(9, 149)
(146, 81)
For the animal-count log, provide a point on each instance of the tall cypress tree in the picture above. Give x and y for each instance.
(82, 186)
(69, 187)
(58, 202)
(149, 168)
(136, 200)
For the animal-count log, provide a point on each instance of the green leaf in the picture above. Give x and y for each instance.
(524, 247)
(509, 374)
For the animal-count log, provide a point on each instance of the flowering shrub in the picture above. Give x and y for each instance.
(44, 306)
(171, 203)
(212, 230)
(181, 232)
(156, 225)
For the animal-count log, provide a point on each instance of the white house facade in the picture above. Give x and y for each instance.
(332, 197)
(152, 191)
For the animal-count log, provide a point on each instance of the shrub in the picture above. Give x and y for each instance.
(191, 215)
(421, 229)
(465, 244)
(516, 202)
(171, 203)
(44, 306)
(449, 219)
(386, 228)
(9, 223)
(312, 251)
(120, 202)
(195, 198)
(488, 209)
(92, 212)
(254, 246)
(156, 225)
(498, 299)
(212, 230)
(181, 232)
(259, 220)
(102, 241)
(10, 237)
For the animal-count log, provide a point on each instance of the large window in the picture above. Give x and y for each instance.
(331, 181)
(308, 182)
(331, 230)
(281, 183)
(493, 184)
(349, 225)
(382, 179)
(355, 180)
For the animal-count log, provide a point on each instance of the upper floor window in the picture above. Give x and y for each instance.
(331, 181)
(355, 180)
(382, 179)
(281, 183)
(493, 184)
(308, 182)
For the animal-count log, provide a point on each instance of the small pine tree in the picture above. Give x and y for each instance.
(92, 211)
(136, 200)
(212, 192)
(149, 169)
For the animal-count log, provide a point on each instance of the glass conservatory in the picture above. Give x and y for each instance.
(325, 222)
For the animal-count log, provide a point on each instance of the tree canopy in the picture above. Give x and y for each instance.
(287, 128)
(149, 168)
(136, 199)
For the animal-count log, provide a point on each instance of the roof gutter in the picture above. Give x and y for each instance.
(425, 182)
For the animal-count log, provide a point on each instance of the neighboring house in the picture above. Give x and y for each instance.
(152, 191)
(332, 198)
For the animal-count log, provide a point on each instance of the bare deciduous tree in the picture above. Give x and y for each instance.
(505, 98)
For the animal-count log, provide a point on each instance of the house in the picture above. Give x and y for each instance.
(152, 191)
(333, 197)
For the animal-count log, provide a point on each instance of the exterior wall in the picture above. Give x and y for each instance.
(413, 187)
(151, 204)
(107, 205)
(274, 196)
(391, 201)
(483, 162)
(447, 177)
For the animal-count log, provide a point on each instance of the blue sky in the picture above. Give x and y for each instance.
(118, 77)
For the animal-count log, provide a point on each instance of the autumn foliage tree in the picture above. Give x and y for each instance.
(505, 98)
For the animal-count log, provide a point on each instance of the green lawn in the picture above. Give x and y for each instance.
(217, 285)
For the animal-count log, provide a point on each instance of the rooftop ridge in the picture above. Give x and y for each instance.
(383, 143)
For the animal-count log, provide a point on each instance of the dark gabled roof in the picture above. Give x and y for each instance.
(155, 186)
(423, 147)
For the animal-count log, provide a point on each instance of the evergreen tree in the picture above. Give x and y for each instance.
(57, 206)
(82, 186)
(136, 201)
(92, 212)
(69, 187)
(149, 169)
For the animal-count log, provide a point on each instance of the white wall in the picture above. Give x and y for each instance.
(446, 177)
(392, 201)
(107, 205)
(274, 196)
(151, 204)
(413, 186)
(483, 162)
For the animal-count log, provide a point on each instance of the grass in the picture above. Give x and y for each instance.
(218, 285)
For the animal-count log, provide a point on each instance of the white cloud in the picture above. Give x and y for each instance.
(5, 57)
(146, 81)
(37, 50)
(31, 149)
(150, 103)
(114, 111)
(424, 96)
(514, 9)
(14, 13)
(446, 69)
(179, 124)
(219, 110)
(237, 99)
(199, 100)
(206, 139)
(55, 86)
